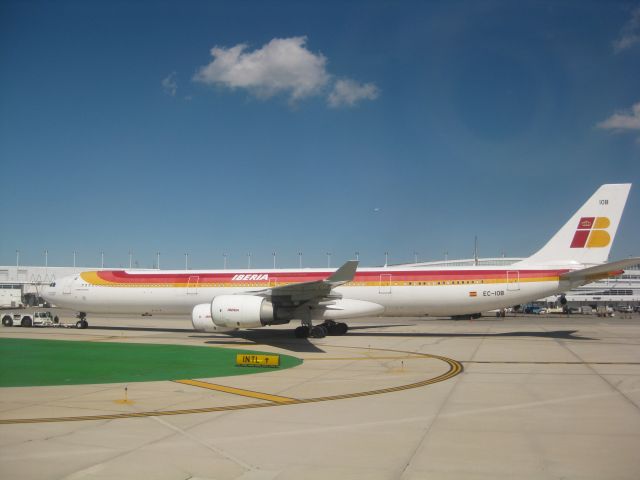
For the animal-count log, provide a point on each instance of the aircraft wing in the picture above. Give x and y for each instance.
(591, 274)
(318, 290)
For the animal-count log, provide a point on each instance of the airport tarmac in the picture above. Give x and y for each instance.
(521, 397)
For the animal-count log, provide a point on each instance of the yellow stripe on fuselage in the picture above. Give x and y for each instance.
(93, 279)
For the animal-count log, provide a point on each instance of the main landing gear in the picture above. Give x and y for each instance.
(82, 322)
(329, 327)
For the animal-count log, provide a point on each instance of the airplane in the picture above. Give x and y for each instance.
(225, 300)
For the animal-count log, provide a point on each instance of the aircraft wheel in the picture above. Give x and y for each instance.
(342, 328)
(337, 328)
(7, 321)
(79, 324)
(301, 332)
(26, 322)
(319, 331)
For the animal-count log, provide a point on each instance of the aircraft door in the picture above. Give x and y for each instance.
(513, 280)
(192, 286)
(385, 283)
(66, 287)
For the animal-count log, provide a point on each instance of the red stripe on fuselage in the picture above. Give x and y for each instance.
(153, 278)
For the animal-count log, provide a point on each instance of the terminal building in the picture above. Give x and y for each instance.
(19, 285)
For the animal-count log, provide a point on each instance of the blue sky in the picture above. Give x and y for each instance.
(212, 127)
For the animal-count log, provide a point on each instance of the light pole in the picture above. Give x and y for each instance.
(224, 261)
(248, 259)
(46, 258)
(475, 250)
(415, 257)
(328, 259)
(74, 259)
(274, 260)
(130, 257)
(17, 258)
(102, 259)
(386, 258)
(186, 261)
(158, 260)
(299, 259)
(358, 256)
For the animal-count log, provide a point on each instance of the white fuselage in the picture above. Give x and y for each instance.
(401, 291)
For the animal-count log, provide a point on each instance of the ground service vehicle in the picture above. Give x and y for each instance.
(10, 297)
(29, 319)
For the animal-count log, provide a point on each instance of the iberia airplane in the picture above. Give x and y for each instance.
(224, 300)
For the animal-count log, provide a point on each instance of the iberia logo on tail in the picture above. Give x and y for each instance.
(592, 233)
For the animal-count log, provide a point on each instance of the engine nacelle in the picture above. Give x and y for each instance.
(349, 308)
(202, 321)
(242, 311)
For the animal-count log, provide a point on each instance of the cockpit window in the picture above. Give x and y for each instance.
(53, 284)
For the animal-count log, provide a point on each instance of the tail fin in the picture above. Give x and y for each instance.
(587, 237)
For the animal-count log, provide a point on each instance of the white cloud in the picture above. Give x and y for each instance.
(628, 120)
(170, 85)
(284, 65)
(630, 33)
(348, 93)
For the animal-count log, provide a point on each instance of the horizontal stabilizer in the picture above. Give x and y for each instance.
(600, 271)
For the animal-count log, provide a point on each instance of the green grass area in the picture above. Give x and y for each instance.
(27, 362)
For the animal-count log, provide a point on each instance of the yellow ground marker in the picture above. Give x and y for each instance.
(237, 391)
(253, 360)
(125, 400)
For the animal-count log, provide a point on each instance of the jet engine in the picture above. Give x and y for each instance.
(231, 312)
(202, 322)
(241, 311)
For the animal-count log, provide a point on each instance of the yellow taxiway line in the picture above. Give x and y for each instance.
(237, 391)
